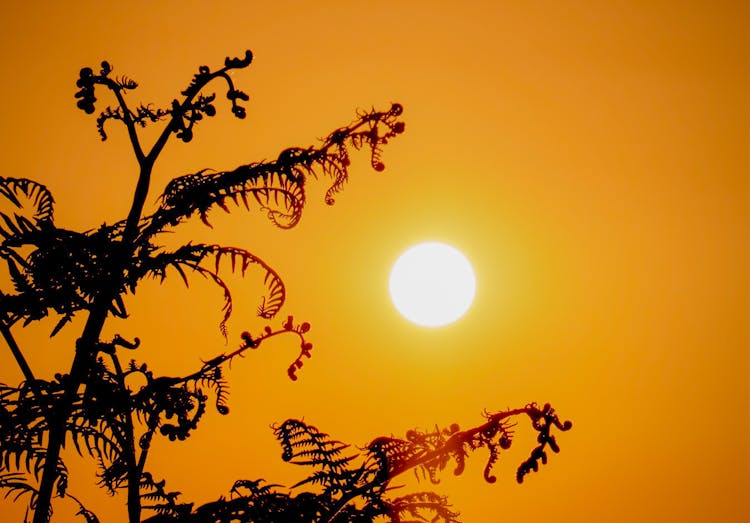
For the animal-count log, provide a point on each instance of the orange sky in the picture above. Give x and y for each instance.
(590, 158)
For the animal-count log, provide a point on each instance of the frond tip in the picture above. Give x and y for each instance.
(198, 258)
(278, 186)
(351, 486)
(23, 193)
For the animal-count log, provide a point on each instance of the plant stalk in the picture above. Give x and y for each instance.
(86, 351)
(87, 346)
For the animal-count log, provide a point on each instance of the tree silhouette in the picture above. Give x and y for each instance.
(95, 407)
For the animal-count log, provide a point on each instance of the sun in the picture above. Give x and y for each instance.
(432, 284)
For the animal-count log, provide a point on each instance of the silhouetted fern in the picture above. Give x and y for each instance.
(421, 506)
(355, 486)
(67, 271)
(23, 427)
(19, 192)
(112, 411)
(304, 445)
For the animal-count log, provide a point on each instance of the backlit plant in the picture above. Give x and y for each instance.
(94, 406)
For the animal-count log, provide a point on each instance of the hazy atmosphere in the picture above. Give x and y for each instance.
(589, 158)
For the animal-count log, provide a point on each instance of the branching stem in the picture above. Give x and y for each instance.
(87, 343)
(127, 118)
(453, 444)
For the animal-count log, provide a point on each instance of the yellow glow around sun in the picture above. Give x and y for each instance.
(432, 284)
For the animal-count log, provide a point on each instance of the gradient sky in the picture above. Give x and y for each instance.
(590, 158)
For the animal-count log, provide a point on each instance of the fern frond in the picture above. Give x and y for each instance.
(30, 458)
(161, 501)
(277, 186)
(85, 513)
(298, 439)
(172, 398)
(22, 283)
(64, 274)
(277, 189)
(15, 485)
(21, 191)
(213, 378)
(254, 488)
(372, 129)
(304, 444)
(96, 439)
(206, 260)
(391, 456)
(112, 475)
(107, 114)
(422, 506)
(430, 452)
(542, 420)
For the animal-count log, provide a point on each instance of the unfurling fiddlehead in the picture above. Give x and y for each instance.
(183, 115)
(206, 261)
(104, 415)
(349, 486)
(278, 186)
(101, 422)
(66, 270)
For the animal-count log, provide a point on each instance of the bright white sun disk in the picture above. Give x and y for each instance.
(432, 284)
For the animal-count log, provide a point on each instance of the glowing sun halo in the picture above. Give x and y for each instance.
(432, 284)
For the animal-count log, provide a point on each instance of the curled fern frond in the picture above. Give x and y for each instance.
(107, 114)
(390, 455)
(213, 379)
(178, 400)
(198, 258)
(278, 192)
(373, 129)
(184, 115)
(542, 420)
(87, 80)
(348, 491)
(145, 114)
(126, 83)
(24, 193)
(277, 186)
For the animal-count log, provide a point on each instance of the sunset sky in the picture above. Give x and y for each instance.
(589, 157)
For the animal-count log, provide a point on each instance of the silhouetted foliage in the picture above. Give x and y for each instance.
(95, 406)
